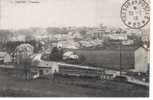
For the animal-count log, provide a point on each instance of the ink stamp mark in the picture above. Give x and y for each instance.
(135, 13)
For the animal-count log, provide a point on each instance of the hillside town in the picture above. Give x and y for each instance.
(75, 48)
(99, 53)
(71, 44)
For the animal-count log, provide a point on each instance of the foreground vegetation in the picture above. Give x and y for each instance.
(68, 87)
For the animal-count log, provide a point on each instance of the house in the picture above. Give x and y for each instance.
(91, 43)
(5, 57)
(121, 36)
(23, 53)
(37, 69)
(44, 68)
(128, 42)
(69, 44)
(70, 55)
(141, 60)
(98, 33)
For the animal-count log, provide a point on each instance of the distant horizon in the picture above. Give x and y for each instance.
(98, 26)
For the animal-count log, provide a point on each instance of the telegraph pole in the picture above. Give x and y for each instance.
(120, 59)
(120, 51)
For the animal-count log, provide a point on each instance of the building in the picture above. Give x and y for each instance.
(141, 60)
(69, 44)
(5, 57)
(42, 69)
(23, 53)
(98, 33)
(121, 36)
(37, 68)
(75, 35)
(128, 42)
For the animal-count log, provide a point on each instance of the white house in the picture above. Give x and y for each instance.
(141, 59)
(118, 36)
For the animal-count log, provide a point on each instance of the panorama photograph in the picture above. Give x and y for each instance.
(74, 48)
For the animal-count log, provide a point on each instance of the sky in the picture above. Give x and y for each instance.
(60, 13)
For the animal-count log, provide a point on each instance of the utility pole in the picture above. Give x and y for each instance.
(120, 51)
(120, 59)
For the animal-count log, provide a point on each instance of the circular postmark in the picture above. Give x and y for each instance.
(135, 13)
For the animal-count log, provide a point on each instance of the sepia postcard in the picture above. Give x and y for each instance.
(74, 48)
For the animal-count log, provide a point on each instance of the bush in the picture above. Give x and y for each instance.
(82, 59)
(56, 54)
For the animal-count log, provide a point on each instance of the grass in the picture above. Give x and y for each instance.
(68, 87)
(107, 58)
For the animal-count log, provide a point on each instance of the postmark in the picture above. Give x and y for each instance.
(135, 13)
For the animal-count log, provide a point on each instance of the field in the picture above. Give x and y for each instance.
(67, 87)
(108, 58)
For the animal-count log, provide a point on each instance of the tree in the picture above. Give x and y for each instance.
(56, 54)
(29, 38)
(82, 59)
(4, 37)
